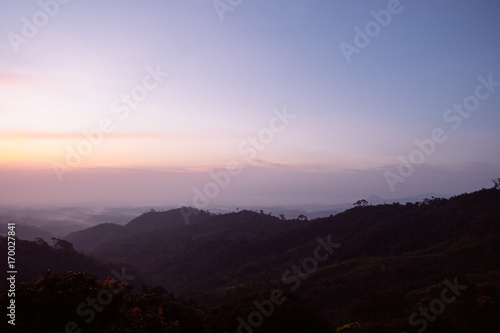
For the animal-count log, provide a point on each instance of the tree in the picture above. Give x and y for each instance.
(497, 183)
(61, 244)
(361, 203)
(52, 301)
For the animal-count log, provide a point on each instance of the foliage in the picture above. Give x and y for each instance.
(348, 327)
(49, 303)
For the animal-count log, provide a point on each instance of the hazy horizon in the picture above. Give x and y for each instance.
(264, 104)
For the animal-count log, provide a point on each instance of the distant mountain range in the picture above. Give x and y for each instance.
(60, 221)
(57, 222)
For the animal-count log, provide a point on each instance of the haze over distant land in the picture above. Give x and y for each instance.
(97, 188)
(282, 103)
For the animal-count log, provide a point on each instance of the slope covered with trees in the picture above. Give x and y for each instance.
(33, 258)
(370, 268)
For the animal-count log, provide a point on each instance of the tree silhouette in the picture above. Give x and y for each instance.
(361, 203)
(497, 183)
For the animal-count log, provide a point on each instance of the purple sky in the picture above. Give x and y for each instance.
(282, 102)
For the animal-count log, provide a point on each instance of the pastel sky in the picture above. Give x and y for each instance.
(306, 102)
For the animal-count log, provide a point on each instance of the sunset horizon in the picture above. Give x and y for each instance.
(352, 106)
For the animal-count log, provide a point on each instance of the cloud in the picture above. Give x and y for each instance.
(271, 164)
(40, 135)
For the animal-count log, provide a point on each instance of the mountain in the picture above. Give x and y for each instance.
(33, 258)
(376, 265)
(88, 239)
(390, 253)
(60, 221)
(147, 223)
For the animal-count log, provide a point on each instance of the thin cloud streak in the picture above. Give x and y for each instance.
(39, 135)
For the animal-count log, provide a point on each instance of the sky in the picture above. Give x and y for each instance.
(232, 102)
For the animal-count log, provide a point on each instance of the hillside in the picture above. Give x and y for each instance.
(145, 224)
(375, 265)
(34, 257)
(402, 249)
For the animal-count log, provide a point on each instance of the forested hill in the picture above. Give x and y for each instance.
(379, 264)
(219, 258)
